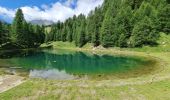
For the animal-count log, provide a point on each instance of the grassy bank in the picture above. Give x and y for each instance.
(52, 90)
(155, 86)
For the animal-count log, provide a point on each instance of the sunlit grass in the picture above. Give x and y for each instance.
(43, 90)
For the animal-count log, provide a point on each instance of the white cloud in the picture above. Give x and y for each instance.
(85, 6)
(54, 12)
(7, 12)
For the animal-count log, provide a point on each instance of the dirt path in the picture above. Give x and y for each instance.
(9, 81)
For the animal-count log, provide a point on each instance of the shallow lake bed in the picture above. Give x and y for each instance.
(70, 65)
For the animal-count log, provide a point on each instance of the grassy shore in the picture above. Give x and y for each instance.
(153, 86)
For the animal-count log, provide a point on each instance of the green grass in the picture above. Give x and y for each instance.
(49, 90)
(61, 45)
(164, 45)
(1, 72)
(140, 88)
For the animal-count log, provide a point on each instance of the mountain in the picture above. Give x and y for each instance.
(41, 22)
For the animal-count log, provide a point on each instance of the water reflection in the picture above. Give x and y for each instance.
(50, 74)
(58, 64)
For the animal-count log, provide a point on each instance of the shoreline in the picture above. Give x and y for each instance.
(158, 75)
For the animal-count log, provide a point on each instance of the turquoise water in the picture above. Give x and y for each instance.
(60, 64)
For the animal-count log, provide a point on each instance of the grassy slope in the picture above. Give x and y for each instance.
(141, 88)
(45, 90)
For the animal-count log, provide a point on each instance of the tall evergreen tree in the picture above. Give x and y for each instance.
(1, 33)
(69, 30)
(4, 33)
(135, 4)
(144, 33)
(146, 9)
(74, 27)
(108, 38)
(39, 35)
(164, 19)
(98, 19)
(17, 35)
(123, 25)
(90, 27)
(64, 33)
(80, 41)
(53, 32)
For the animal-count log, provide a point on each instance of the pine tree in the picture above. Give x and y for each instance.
(164, 19)
(53, 32)
(74, 27)
(135, 4)
(39, 35)
(123, 25)
(69, 34)
(64, 33)
(144, 33)
(69, 30)
(27, 35)
(146, 9)
(108, 38)
(80, 40)
(1, 33)
(81, 35)
(97, 26)
(90, 27)
(17, 28)
(4, 33)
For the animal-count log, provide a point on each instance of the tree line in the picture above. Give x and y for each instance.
(117, 23)
(20, 34)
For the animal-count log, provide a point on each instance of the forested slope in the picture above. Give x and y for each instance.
(117, 23)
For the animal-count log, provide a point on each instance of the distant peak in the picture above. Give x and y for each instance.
(42, 22)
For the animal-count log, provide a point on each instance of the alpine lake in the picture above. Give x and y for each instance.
(71, 65)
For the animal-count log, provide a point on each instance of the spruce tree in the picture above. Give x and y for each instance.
(74, 27)
(1, 33)
(80, 39)
(39, 34)
(4, 33)
(90, 26)
(123, 26)
(64, 33)
(97, 26)
(69, 28)
(108, 38)
(18, 28)
(146, 9)
(53, 32)
(144, 33)
(135, 4)
(81, 35)
(164, 19)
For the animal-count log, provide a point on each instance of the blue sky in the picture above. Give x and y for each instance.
(53, 10)
(20, 3)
